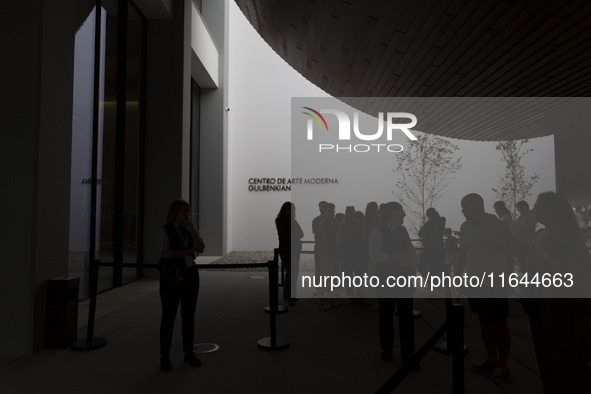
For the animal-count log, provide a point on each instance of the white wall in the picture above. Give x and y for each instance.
(261, 85)
(35, 146)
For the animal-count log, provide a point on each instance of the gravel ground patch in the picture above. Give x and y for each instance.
(237, 257)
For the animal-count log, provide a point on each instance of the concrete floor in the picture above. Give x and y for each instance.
(331, 351)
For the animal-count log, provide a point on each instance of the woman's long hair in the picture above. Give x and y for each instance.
(173, 210)
(286, 211)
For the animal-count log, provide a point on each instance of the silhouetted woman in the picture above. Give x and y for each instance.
(353, 249)
(178, 240)
(290, 245)
(560, 326)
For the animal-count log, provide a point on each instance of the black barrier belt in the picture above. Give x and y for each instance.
(404, 370)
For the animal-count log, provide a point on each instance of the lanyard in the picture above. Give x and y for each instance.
(184, 236)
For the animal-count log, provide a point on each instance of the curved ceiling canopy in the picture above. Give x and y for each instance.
(429, 48)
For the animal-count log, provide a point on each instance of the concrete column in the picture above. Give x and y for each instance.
(213, 179)
(168, 84)
(35, 147)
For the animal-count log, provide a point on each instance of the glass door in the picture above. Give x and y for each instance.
(82, 135)
(107, 144)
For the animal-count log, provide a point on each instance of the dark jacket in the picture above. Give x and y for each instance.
(176, 243)
(289, 233)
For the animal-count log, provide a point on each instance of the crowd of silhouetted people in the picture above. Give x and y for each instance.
(547, 239)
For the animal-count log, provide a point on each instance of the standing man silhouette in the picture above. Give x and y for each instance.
(485, 247)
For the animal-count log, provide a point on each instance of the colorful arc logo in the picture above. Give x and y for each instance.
(315, 118)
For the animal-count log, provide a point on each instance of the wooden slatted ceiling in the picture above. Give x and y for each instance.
(432, 48)
(572, 165)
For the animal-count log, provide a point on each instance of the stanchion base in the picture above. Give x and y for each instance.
(280, 343)
(94, 344)
(441, 346)
(280, 309)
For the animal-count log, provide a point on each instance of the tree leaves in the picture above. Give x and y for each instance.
(426, 168)
(515, 186)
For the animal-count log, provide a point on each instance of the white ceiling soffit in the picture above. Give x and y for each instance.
(204, 52)
(428, 48)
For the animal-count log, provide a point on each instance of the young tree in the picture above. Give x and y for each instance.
(426, 168)
(515, 185)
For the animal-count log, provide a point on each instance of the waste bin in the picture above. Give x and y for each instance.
(62, 312)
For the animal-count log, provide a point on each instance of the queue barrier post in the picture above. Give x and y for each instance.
(278, 308)
(456, 341)
(91, 342)
(282, 271)
(454, 328)
(444, 345)
(273, 342)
